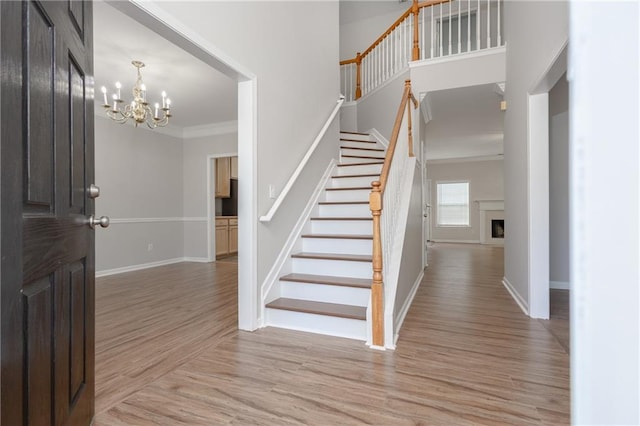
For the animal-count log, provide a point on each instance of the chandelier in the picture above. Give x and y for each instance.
(139, 109)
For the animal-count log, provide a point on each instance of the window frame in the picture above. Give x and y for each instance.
(437, 204)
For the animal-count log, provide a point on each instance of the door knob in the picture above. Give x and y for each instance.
(93, 191)
(103, 221)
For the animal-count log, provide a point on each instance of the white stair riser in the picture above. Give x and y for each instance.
(348, 151)
(337, 245)
(334, 268)
(357, 170)
(353, 144)
(331, 326)
(353, 181)
(342, 227)
(351, 160)
(325, 293)
(355, 137)
(344, 210)
(348, 195)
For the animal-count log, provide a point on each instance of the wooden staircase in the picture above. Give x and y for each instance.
(329, 288)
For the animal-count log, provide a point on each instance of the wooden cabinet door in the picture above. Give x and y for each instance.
(233, 238)
(222, 237)
(234, 167)
(48, 262)
(223, 177)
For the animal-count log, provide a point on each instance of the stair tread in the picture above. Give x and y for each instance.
(340, 236)
(320, 308)
(356, 176)
(363, 149)
(371, 163)
(330, 203)
(355, 133)
(334, 256)
(325, 279)
(349, 188)
(362, 156)
(341, 218)
(356, 140)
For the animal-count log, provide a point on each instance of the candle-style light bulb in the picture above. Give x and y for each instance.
(168, 105)
(144, 92)
(115, 103)
(118, 87)
(157, 107)
(104, 93)
(164, 99)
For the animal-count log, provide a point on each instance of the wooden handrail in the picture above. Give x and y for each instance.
(375, 205)
(415, 54)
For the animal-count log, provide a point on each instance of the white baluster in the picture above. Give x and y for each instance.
(478, 27)
(488, 24)
(459, 28)
(440, 25)
(499, 19)
(432, 33)
(468, 25)
(450, 51)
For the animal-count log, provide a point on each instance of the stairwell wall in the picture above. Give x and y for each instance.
(534, 32)
(292, 48)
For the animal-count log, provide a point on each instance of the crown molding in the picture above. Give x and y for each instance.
(221, 128)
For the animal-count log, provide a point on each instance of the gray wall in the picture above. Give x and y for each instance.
(534, 32)
(486, 182)
(139, 173)
(292, 48)
(559, 183)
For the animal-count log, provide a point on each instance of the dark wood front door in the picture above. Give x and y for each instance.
(47, 268)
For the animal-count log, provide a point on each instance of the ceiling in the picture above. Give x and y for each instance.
(465, 122)
(200, 95)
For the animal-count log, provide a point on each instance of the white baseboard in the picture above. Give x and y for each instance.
(405, 307)
(519, 300)
(294, 236)
(456, 241)
(138, 267)
(559, 285)
(197, 259)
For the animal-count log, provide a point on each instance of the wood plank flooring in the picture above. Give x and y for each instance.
(168, 353)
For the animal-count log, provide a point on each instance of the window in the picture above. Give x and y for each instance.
(453, 203)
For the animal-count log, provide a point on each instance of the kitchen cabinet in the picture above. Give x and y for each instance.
(234, 167)
(226, 236)
(223, 177)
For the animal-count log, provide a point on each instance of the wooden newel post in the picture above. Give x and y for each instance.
(377, 295)
(407, 83)
(415, 10)
(358, 76)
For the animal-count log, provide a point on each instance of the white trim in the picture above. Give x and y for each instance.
(559, 285)
(425, 103)
(378, 137)
(497, 157)
(402, 313)
(197, 259)
(459, 56)
(303, 163)
(122, 220)
(294, 237)
(456, 241)
(212, 129)
(516, 296)
(138, 267)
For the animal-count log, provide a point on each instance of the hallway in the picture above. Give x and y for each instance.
(168, 352)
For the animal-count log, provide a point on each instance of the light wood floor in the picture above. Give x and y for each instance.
(168, 353)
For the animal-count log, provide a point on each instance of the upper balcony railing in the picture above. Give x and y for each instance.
(427, 30)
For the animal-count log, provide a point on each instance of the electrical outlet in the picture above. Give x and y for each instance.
(272, 191)
(149, 247)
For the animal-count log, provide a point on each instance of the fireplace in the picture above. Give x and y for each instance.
(497, 228)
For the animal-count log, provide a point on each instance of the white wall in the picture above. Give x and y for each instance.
(378, 109)
(195, 197)
(139, 173)
(486, 182)
(534, 32)
(292, 48)
(559, 183)
(605, 266)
